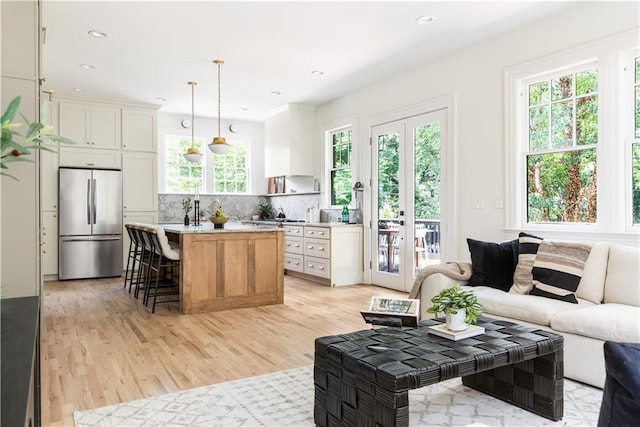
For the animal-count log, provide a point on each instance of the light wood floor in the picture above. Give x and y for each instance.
(100, 346)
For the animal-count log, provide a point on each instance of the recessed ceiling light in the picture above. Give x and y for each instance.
(87, 66)
(97, 34)
(276, 93)
(244, 109)
(424, 20)
(317, 73)
(160, 99)
(78, 89)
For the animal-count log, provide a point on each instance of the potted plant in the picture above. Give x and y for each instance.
(186, 206)
(460, 307)
(265, 210)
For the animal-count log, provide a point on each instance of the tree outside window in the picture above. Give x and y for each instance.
(230, 170)
(561, 158)
(341, 171)
(182, 176)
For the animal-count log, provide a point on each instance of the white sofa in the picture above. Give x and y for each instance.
(608, 309)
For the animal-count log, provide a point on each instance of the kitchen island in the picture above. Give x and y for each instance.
(232, 267)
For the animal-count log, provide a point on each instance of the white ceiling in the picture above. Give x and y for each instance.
(154, 48)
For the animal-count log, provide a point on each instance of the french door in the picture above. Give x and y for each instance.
(406, 188)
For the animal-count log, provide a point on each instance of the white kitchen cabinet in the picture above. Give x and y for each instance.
(289, 142)
(20, 30)
(331, 254)
(128, 217)
(138, 130)
(139, 181)
(49, 243)
(92, 125)
(49, 178)
(73, 156)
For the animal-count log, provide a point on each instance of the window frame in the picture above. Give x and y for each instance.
(203, 162)
(332, 169)
(526, 151)
(247, 160)
(629, 126)
(613, 212)
(350, 122)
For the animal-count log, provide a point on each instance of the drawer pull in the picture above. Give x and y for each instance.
(309, 247)
(311, 232)
(297, 245)
(310, 265)
(44, 251)
(321, 268)
(297, 262)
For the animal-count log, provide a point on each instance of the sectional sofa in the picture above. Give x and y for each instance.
(602, 303)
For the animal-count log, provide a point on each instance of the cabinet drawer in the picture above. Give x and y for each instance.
(316, 247)
(317, 232)
(294, 262)
(293, 245)
(293, 230)
(317, 267)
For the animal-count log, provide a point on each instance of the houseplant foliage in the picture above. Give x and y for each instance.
(265, 210)
(450, 300)
(33, 139)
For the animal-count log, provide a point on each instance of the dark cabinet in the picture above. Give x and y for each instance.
(20, 361)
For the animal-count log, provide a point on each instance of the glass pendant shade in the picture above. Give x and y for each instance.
(193, 155)
(219, 144)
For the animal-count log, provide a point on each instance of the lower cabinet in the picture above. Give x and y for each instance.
(330, 254)
(49, 243)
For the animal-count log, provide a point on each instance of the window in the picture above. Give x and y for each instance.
(182, 176)
(341, 167)
(635, 147)
(561, 155)
(573, 142)
(230, 170)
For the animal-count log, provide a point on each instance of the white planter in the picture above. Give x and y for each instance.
(455, 322)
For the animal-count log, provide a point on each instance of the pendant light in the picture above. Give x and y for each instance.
(193, 155)
(219, 144)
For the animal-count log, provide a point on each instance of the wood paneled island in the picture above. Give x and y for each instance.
(234, 267)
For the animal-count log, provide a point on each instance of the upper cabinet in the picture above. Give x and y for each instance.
(138, 130)
(289, 142)
(91, 125)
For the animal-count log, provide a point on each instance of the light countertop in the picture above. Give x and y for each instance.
(229, 227)
(302, 224)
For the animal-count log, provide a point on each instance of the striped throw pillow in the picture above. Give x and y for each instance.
(527, 249)
(557, 269)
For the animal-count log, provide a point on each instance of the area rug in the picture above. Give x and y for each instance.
(286, 399)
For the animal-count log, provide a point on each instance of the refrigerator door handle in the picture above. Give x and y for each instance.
(88, 201)
(93, 200)
(92, 239)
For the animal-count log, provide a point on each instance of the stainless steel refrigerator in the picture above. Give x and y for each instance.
(90, 223)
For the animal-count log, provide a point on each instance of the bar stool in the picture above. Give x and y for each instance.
(163, 262)
(146, 259)
(135, 250)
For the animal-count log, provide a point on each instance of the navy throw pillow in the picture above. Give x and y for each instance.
(493, 263)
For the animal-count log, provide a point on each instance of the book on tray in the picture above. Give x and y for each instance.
(442, 331)
(385, 311)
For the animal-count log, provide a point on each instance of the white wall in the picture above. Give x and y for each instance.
(475, 76)
(251, 132)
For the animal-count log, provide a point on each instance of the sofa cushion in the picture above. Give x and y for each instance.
(591, 285)
(493, 263)
(557, 269)
(522, 276)
(607, 322)
(528, 308)
(622, 284)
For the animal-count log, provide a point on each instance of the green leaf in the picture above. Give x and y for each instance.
(11, 110)
(10, 176)
(9, 144)
(57, 138)
(33, 131)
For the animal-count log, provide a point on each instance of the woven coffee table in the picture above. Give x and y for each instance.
(363, 378)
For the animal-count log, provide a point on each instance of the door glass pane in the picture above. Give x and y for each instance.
(427, 195)
(388, 202)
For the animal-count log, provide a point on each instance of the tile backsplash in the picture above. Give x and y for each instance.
(241, 207)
